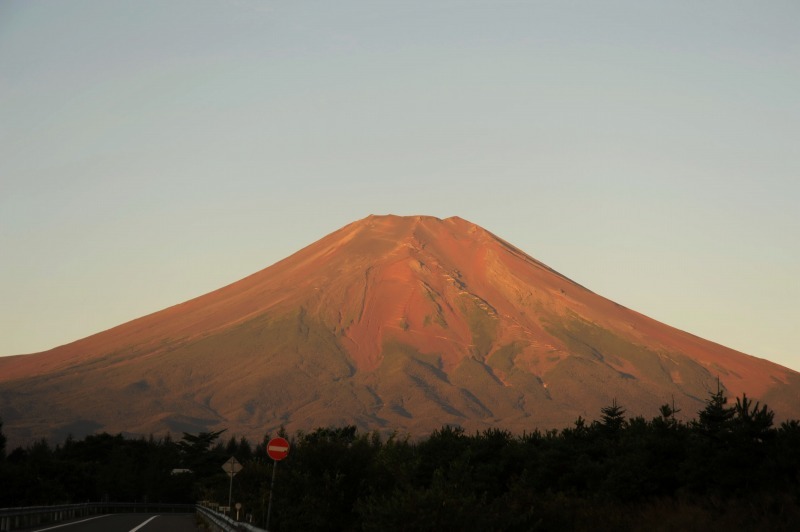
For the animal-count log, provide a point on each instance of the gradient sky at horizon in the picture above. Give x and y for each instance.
(153, 151)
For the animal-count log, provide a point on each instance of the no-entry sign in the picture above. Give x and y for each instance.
(278, 448)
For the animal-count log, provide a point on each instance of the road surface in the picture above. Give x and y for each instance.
(128, 523)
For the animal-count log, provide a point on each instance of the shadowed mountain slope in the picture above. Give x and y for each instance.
(390, 323)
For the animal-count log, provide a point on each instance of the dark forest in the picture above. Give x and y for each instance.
(729, 468)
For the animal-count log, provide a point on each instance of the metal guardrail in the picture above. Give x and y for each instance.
(222, 523)
(16, 518)
(31, 516)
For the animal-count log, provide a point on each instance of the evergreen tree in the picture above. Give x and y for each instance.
(195, 451)
(715, 418)
(613, 419)
(754, 423)
(668, 412)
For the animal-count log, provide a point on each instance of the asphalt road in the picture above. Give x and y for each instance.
(128, 523)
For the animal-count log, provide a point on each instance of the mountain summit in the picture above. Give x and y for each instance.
(389, 323)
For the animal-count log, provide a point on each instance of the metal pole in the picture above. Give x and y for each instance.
(230, 491)
(271, 489)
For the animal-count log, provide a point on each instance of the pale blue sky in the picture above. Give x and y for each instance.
(152, 151)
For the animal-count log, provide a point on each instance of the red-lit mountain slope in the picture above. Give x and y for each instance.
(390, 323)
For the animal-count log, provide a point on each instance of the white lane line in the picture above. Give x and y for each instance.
(72, 523)
(142, 525)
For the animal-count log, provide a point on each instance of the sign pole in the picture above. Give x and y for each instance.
(271, 489)
(230, 493)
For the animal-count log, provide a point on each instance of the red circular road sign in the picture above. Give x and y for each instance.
(278, 448)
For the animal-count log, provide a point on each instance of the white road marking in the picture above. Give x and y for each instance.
(72, 523)
(142, 525)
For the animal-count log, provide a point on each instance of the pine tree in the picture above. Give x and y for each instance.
(613, 418)
(752, 422)
(715, 418)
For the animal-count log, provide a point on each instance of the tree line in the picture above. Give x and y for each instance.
(731, 467)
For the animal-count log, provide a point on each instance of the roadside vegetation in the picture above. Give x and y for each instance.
(730, 468)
